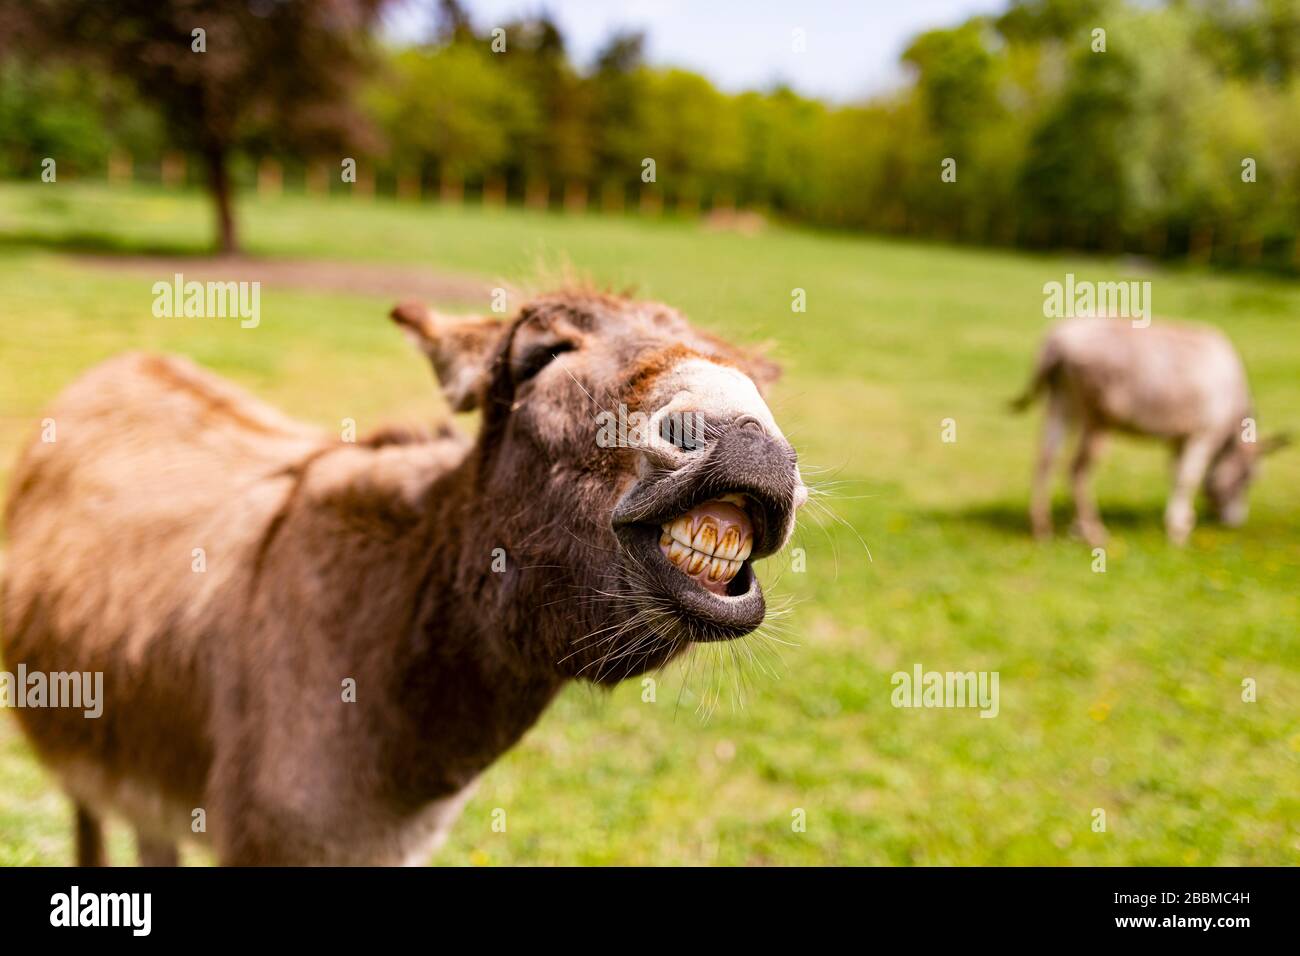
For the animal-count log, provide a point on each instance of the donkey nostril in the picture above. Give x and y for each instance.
(749, 421)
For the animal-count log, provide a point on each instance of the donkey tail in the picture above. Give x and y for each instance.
(1045, 372)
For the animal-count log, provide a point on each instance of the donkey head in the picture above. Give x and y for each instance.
(633, 470)
(1234, 467)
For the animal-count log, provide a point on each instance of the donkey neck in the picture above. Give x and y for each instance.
(465, 671)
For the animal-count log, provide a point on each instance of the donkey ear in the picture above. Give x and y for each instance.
(1274, 443)
(461, 348)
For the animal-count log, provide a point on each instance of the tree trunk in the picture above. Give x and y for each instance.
(219, 186)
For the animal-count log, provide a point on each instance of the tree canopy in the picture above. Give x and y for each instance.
(1110, 124)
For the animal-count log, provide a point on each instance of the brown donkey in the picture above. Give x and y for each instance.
(321, 644)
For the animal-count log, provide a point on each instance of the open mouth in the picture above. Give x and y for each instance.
(711, 542)
(700, 560)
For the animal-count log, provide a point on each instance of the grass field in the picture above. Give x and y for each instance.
(1119, 690)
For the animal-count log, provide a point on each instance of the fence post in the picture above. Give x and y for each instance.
(119, 167)
(173, 169)
(1157, 238)
(575, 197)
(537, 193)
(1201, 246)
(317, 179)
(1252, 248)
(270, 178)
(612, 197)
(652, 201)
(365, 184)
(451, 188)
(408, 185)
(494, 191)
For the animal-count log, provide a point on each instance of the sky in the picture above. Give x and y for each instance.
(851, 46)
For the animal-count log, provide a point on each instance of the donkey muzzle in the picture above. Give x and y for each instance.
(744, 459)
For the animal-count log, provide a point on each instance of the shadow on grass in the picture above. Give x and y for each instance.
(368, 277)
(1012, 518)
(100, 244)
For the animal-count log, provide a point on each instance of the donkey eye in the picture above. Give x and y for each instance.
(536, 359)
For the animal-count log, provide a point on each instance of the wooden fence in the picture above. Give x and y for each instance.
(1204, 242)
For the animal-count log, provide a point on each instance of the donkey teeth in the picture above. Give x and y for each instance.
(723, 570)
(706, 539)
(704, 548)
(680, 530)
(714, 568)
(734, 547)
(729, 546)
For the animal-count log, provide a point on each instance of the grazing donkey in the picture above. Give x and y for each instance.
(369, 625)
(1178, 382)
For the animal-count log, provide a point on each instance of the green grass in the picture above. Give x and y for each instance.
(1119, 691)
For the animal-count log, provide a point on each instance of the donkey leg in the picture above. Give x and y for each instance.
(1087, 519)
(90, 839)
(1040, 502)
(154, 852)
(1193, 458)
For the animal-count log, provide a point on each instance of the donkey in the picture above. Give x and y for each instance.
(1178, 382)
(316, 646)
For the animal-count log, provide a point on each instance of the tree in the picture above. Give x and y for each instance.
(224, 76)
(692, 133)
(453, 107)
(1079, 172)
(560, 148)
(71, 112)
(616, 119)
